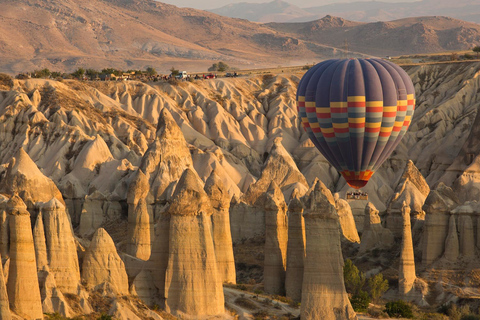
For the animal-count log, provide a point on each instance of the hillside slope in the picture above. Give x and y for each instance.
(63, 35)
(409, 35)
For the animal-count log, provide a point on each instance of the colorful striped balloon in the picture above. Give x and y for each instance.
(356, 111)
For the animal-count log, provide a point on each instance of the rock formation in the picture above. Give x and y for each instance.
(412, 189)
(140, 221)
(347, 222)
(406, 272)
(4, 305)
(374, 234)
(102, 265)
(295, 249)
(24, 178)
(193, 287)
(166, 158)
(60, 246)
(92, 215)
(247, 221)
(3, 226)
(222, 237)
(438, 206)
(281, 169)
(467, 240)
(452, 249)
(276, 239)
(323, 290)
(22, 285)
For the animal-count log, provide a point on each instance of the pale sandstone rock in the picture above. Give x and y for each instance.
(102, 264)
(166, 158)
(92, 216)
(347, 222)
(22, 285)
(374, 234)
(406, 272)
(438, 205)
(40, 244)
(222, 237)
(140, 221)
(60, 245)
(276, 240)
(279, 168)
(3, 226)
(323, 291)
(246, 220)
(143, 286)
(467, 240)
(295, 249)
(4, 305)
(24, 178)
(120, 311)
(412, 189)
(52, 299)
(193, 287)
(452, 248)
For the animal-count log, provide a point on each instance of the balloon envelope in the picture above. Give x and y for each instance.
(356, 111)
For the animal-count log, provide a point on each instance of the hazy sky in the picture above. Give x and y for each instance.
(213, 4)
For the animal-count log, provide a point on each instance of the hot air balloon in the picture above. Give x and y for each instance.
(356, 111)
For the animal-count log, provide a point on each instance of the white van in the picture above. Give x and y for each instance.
(182, 75)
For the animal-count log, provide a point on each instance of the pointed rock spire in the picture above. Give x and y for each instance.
(452, 249)
(193, 286)
(61, 248)
(295, 249)
(323, 290)
(22, 285)
(102, 264)
(222, 237)
(140, 221)
(276, 240)
(438, 205)
(166, 158)
(406, 277)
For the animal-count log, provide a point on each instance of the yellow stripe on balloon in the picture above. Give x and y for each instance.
(374, 103)
(356, 120)
(356, 99)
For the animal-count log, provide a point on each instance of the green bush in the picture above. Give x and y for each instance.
(470, 317)
(377, 286)
(399, 309)
(360, 301)
(354, 279)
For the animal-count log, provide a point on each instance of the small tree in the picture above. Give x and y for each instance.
(476, 50)
(360, 301)
(214, 67)
(151, 71)
(56, 74)
(354, 279)
(79, 73)
(91, 73)
(44, 73)
(222, 66)
(174, 71)
(112, 71)
(377, 286)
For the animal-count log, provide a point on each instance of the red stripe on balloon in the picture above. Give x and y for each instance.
(356, 125)
(374, 109)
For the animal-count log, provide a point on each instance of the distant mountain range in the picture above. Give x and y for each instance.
(66, 34)
(365, 11)
(403, 36)
(63, 35)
